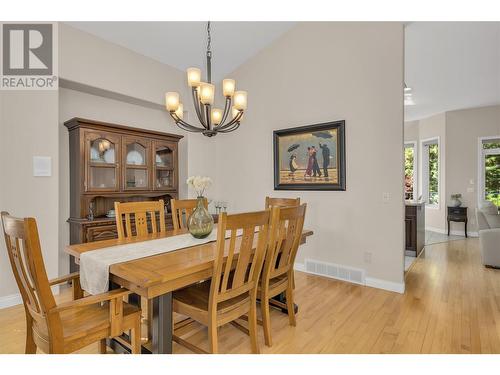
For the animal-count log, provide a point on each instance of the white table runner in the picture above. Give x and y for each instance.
(94, 265)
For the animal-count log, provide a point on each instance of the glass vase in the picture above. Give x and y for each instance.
(200, 223)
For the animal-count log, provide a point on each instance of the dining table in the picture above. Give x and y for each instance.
(156, 277)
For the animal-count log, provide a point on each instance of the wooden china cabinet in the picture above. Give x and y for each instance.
(110, 163)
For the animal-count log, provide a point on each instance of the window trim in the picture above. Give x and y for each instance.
(425, 185)
(480, 165)
(416, 189)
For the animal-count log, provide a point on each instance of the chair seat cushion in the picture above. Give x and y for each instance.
(79, 322)
(196, 296)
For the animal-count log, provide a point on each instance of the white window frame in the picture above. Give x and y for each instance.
(414, 144)
(480, 165)
(424, 162)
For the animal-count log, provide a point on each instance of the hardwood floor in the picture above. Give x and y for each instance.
(451, 305)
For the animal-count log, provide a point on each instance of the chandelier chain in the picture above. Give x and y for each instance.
(209, 39)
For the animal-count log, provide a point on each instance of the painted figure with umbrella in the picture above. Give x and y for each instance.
(293, 160)
(324, 149)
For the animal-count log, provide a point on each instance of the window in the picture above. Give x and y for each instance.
(410, 171)
(430, 171)
(490, 170)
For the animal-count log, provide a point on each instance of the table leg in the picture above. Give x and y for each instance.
(466, 228)
(162, 324)
(448, 228)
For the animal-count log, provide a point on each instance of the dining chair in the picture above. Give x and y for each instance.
(277, 274)
(68, 326)
(232, 291)
(181, 209)
(281, 202)
(140, 211)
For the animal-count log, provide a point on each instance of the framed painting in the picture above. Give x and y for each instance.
(310, 157)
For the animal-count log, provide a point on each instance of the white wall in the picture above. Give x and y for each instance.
(28, 127)
(319, 72)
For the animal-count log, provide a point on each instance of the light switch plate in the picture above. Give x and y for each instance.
(42, 166)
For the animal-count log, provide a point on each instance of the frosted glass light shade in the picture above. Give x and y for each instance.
(228, 86)
(240, 100)
(207, 92)
(216, 116)
(172, 101)
(180, 111)
(194, 77)
(235, 112)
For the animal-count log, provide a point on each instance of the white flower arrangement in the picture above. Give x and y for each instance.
(199, 184)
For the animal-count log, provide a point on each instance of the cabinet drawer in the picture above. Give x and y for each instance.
(104, 232)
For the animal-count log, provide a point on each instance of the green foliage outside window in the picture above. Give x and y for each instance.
(433, 174)
(492, 178)
(409, 164)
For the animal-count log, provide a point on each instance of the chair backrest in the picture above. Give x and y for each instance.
(285, 235)
(239, 273)
(140, 212)
(25, 255)
(181, 209)
(282, 202)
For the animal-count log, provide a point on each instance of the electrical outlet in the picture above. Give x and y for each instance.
(386, 197)
(367, 257)
(470, 190)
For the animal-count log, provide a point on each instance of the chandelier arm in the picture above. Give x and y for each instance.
(207, 116)
(181, 123)
(227, 107)
(232, 122)
(196, 103)
(230, 129)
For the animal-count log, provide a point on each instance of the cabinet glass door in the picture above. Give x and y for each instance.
(137, 163)
(164, 161)
(101, 153)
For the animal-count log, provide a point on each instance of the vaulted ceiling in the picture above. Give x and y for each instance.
(183, 44)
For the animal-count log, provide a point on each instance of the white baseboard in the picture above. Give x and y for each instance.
(12, 300)
(453, 232)
(369, 281)
(299, 267)
(16, 299)
(384, 284)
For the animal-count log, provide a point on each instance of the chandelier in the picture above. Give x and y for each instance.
(212, 120)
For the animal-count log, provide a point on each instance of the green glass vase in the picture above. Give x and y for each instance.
(200, 223)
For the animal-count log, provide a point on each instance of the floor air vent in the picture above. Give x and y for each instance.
(335, 271)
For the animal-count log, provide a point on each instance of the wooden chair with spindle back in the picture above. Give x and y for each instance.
(69, 326)
(277, 274)
(232, 291)
(281, 202)
(181, 209)
(140, 212)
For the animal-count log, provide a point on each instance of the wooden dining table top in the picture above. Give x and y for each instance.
(159, 274)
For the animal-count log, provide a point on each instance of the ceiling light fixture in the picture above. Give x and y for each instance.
(212, 120)
(408, 96)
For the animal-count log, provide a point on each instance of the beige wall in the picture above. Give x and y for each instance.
(28, 127)
(411, 131)
(463, 128)
(319, 72)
